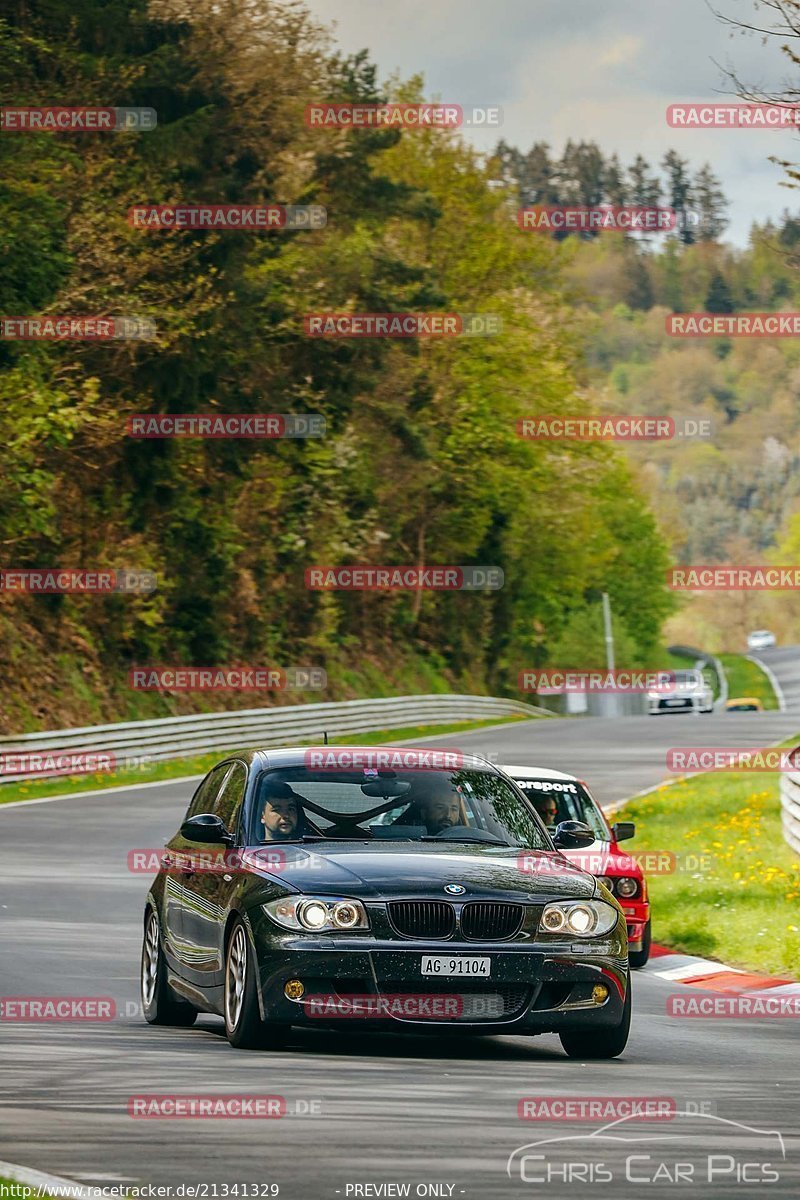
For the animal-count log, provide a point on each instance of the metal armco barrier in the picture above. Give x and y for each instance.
(130, 742)
(790, 810)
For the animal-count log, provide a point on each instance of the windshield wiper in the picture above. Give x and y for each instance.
(491, 840)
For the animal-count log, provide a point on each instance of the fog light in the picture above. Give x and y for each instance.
(599, 993)
(293, 989)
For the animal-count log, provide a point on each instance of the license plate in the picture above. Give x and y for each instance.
(675, 703)
(441, 964)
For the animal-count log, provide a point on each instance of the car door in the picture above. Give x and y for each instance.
(179, 854)
(206, 889)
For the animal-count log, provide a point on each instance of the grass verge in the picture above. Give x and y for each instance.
(12, 1189)
(175, 768)
(746, 678)
(735, 895)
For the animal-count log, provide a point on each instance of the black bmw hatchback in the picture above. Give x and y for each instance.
(403, 888)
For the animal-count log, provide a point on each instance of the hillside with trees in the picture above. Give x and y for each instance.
(733, 496)
(421, 464)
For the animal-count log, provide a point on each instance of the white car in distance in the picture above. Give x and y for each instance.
(761, 639)
(688, 692)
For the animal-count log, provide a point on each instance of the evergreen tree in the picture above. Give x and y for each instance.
(614, 183)
(679, 194)
(638, 288)
(719, 298)
(711, 204)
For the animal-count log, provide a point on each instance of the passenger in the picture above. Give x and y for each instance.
(281, 816)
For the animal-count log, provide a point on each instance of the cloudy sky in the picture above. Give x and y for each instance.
(602, 70)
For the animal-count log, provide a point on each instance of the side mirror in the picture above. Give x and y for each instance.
(573, 835)
(623, 830)
(205, 827)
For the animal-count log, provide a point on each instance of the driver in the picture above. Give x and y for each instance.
(438, 808)
(281, 815)
(440, 812)
(546, 806)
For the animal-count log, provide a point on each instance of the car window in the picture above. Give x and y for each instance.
(231, 794)
(469, 805)
(204, 798)
(567, 801)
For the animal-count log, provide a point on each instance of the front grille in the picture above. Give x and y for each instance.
(486, 921)
(423, 918)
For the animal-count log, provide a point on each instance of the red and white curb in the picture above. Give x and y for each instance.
(713, 976)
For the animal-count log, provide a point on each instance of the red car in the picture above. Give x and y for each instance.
(558, 797)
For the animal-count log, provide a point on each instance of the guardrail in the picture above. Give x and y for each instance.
(709, 660)
(790, 810)
(130, 742)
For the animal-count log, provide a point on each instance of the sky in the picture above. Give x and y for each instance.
(601, 70)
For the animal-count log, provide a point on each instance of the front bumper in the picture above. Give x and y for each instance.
(664, 704)
(529, 990)
(637, 914)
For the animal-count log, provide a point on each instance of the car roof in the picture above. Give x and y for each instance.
(295, 756)
(537, 773)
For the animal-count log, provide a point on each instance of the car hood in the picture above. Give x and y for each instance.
(389, 872)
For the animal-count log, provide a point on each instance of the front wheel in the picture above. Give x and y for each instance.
(159, 1004)
(243, 1024)
(637, 958)
(602, 1042)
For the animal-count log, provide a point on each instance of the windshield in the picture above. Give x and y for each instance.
(297, 803)
(556, 801)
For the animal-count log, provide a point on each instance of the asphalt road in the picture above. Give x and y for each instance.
(436, 1113)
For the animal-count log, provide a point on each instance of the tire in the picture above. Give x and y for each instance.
(160, 1005)
(600, 1043)
(243, 1025)
(637, 958)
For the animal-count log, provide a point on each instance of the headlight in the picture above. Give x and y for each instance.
(606, 881)
(591, 918)
(317, 913)
(627, 887)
